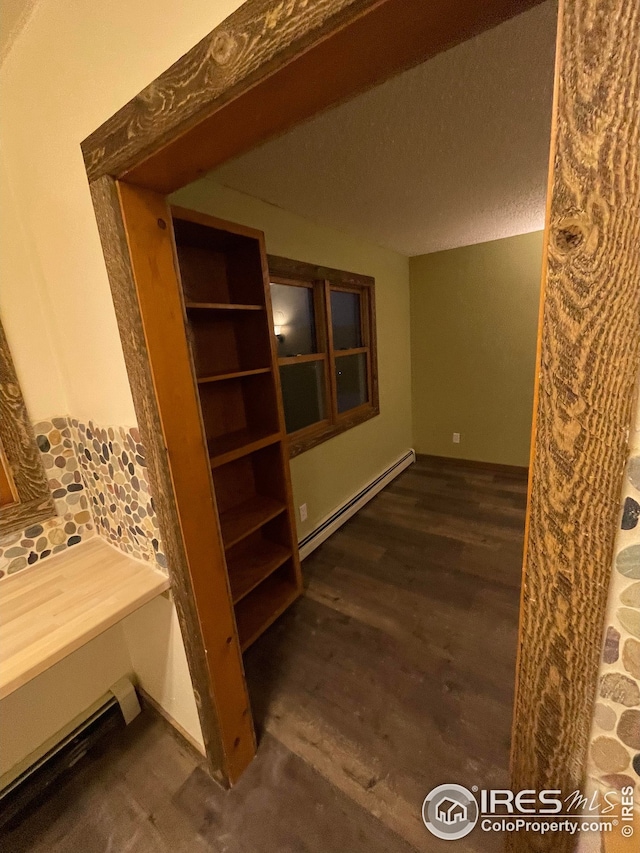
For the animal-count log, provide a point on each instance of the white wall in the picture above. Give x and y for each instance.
(75, 64)
(152, 636)
(24, 310)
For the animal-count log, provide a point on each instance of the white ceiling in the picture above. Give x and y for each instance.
(450, 153)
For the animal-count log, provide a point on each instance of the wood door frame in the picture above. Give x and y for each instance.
(195, 116)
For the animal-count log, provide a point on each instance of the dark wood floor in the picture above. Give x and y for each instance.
(392, 675)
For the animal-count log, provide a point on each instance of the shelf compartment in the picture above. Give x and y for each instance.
(251, 562)
(244, 519)
(217, 377)
(218, 266)
(230, 331)
(255, 476)
(228, 341)
(237, 444)
(239, 412)
(261, 607)
(221, 306)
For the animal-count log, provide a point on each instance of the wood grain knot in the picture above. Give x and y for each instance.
(568, 238)
(223, 48)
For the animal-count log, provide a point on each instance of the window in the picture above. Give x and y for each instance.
(324, 323)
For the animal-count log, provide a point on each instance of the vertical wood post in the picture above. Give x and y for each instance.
(137, 238)
(588, 359)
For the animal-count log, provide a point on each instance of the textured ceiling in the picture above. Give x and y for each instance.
(450, 153)
(14, 15)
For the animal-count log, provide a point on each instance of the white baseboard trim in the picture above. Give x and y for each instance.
(338, 517)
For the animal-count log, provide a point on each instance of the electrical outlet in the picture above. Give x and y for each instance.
(303, 512)
(456, 438)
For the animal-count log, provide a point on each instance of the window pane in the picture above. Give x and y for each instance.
(302, 394)
(351, 381)
(293, 319)
(345, 318)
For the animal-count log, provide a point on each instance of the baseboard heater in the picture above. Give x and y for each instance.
(111, 713)
(337, 518)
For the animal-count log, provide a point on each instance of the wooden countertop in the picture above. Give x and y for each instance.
(50, 610)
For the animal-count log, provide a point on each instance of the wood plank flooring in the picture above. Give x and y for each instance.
(394, 673)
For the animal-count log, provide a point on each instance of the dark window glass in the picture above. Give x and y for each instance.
(345, 319)
(293, 319)
(302, 394)
(351, 381)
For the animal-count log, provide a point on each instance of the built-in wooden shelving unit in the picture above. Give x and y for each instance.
(230, 328)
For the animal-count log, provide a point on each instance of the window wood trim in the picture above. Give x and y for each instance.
(27, 479)
(324, 280)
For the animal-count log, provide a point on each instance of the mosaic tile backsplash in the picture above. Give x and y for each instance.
(73, 522)
(113, 462)
(614, 754)
(98, 479)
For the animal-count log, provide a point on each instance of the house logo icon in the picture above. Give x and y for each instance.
(450, 812)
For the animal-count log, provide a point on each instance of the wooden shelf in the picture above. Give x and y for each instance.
(262, 607)
(233, 445)
(251, 565)
(238, 374)
(229, 329)
(52, 609)
(222, 306)
(247, 517)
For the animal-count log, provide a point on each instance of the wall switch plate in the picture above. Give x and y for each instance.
(456, 438)
(303, 512)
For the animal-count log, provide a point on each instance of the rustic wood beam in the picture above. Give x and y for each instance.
(588, 363)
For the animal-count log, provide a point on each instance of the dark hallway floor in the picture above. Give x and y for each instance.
(392, 675)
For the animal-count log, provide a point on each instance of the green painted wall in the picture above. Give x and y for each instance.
(329, 474)
(474, 317)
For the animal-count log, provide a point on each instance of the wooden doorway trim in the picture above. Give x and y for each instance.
(260, 64)
(588, 363)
